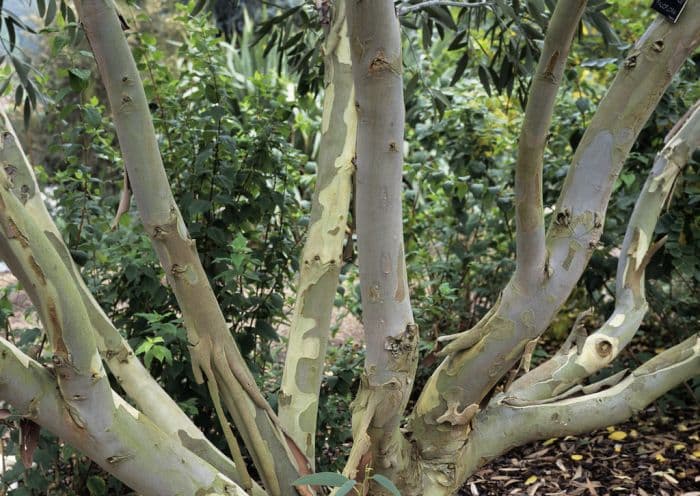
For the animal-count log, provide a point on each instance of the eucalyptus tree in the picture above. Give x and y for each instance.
(471, 409)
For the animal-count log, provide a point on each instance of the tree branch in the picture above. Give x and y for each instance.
(147, 394)
(406, 8)
(569, 367)
(27, 250)
(214, 353)
(391, 335)
(529, 211)
(123, 446)
(523, 313)
(501, 426)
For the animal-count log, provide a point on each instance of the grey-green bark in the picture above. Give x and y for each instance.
(390, 334)
(123, 443)
(448, 436)
(76, 400)
(502, 426)
(148, 396)
(572, 365)
(530, 254)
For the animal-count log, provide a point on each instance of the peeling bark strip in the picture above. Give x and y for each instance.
(214, 352)
(321, 258)
(390, 333)
(572, 365)
(502, 426)
(525, 311)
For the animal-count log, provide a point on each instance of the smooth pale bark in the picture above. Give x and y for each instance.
(529, 211)
(390, 333)
(127, 444)
(502, 426)
(570, 366)
(522, 313)
(215, 356)
(148, 396)
(322, 256)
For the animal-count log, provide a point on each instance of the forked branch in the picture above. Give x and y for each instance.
(571, 366)
(501, 426)
(146, 393)
(524, 312)
(529, 211)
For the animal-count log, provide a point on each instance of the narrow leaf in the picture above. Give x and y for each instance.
(332, 479)
(345, 488)
(386, 484)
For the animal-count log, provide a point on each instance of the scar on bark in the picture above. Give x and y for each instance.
(455, 417)
(379, 64)
(14, 232)
(37, 269)
(59, 345)
(549, 72)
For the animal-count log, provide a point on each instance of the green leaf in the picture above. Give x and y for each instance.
(161, 353)
(144, 347)
(331, 479)
(83, 74)
(345, 488)
(96, 486)
(50, 12)
(386, 484)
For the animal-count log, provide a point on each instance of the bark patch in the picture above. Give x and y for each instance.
(379, 64)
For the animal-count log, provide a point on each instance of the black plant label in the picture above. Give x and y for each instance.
(672, 9)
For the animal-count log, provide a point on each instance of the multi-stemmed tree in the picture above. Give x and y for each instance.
(463, 418)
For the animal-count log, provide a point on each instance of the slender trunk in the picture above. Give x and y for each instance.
(529, 210)
(322, 256)
(214, 353)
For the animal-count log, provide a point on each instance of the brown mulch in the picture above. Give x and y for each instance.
(652, 455)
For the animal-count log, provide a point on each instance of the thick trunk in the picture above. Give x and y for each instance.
(390, 334)
(322, 256)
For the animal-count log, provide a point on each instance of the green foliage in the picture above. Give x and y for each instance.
(346, 485)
